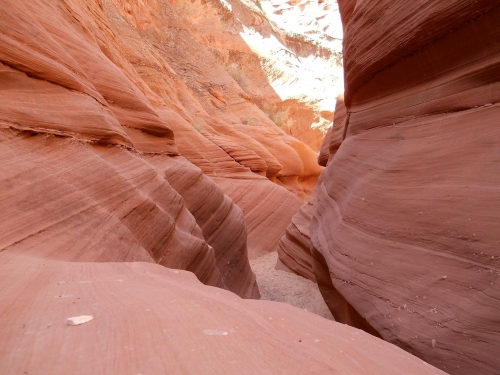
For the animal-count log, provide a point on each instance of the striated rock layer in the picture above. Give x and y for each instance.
(152, 320)
(92, 93)
(406, 229)
(184, 74)
(88, 157)
(294, 247)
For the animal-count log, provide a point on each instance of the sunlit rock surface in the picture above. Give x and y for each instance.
(285, 56)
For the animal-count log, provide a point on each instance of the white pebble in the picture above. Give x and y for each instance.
(77, 320)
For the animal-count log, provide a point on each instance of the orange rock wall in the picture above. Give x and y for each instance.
(285, 57)
(207, 97)
(88, 156)
(116, 76)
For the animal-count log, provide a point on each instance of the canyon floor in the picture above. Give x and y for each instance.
(282, 286)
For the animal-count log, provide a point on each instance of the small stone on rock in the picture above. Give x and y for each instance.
(77, 320)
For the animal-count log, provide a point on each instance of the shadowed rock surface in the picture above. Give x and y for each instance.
(405, 232)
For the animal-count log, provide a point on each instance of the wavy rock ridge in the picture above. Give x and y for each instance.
(404, 236)
(95, 191)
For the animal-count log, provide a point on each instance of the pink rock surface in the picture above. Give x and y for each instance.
(220, 220)
(294, 248)
(76, 202)
(154, 320)
(267, 207)
(406, 231)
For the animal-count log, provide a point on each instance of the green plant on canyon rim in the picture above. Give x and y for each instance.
(182, 7)
(279, 117)
(238, 75)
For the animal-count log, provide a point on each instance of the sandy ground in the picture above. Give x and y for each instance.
(283, 286)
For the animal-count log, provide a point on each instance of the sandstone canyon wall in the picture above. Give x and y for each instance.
(294, 248)
(89, 104)
(405, 231)
(98, 202)
(212, 112)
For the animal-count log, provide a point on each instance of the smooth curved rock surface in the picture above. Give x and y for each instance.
(67, 200)
(154, 320)
(88, 155)
(267, 207)
(294, 248)
(406, 231)
(220, 220)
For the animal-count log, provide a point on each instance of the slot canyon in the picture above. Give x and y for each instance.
(250, 187)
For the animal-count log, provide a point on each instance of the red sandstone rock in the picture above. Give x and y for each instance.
(220, 220)
(294, 247)
(67, 200)
(94, 190)
(406, 231)
(79, 197)
(335, 134)
(112, 73)
(150, 319)
(267, 209)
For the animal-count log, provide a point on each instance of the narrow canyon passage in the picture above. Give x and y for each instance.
(287, 287)
(175, 198)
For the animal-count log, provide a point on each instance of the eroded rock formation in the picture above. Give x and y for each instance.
(92, 94)
(294, 248)
(405, 232)
(95, 191)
